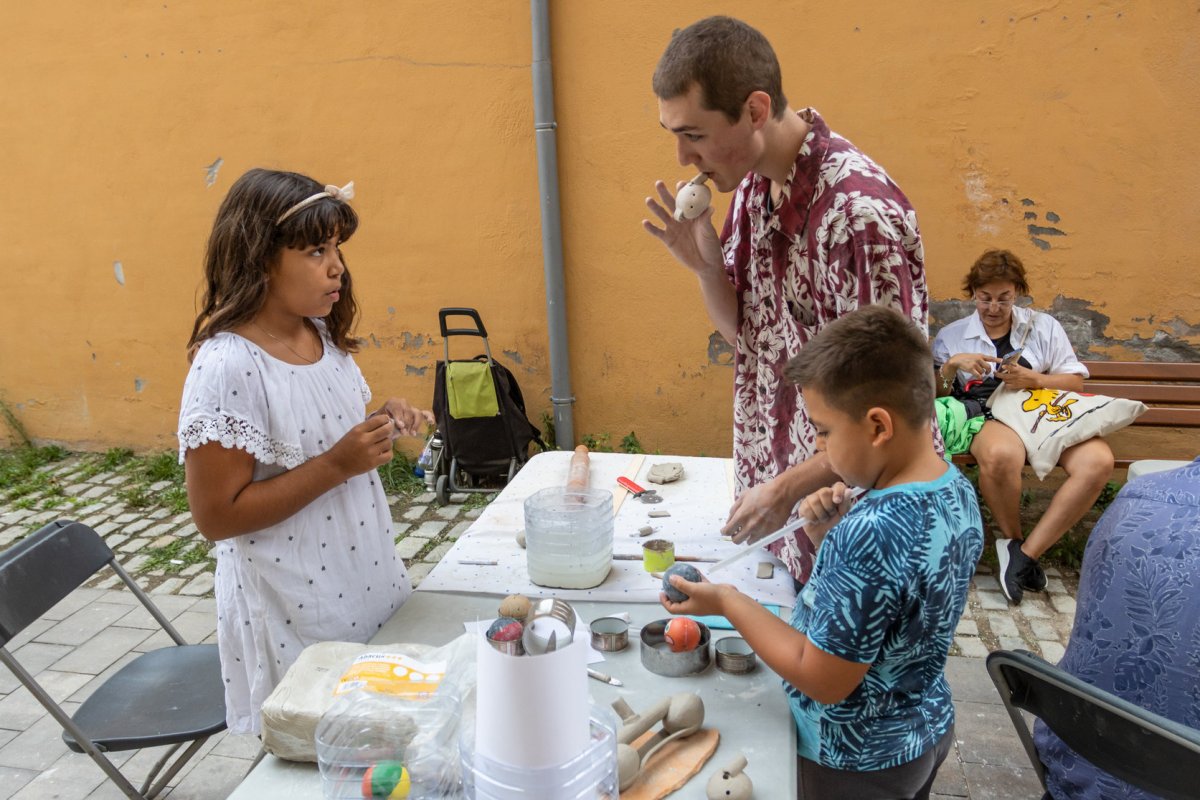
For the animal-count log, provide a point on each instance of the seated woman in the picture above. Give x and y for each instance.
(969, 356)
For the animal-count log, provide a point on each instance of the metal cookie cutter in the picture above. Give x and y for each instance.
(536, 642)
(659, 659)
(610, 634)
(510, 647)
(734, 655)
(645, 495)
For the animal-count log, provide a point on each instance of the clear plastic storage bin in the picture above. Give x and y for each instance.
(569, 537)
(592, 775)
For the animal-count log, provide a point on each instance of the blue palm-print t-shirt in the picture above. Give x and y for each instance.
(887, 589)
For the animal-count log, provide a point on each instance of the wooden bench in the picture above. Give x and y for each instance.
(1170, 429)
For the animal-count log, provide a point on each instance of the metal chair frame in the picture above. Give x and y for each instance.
(1140, 747)
(37, 573)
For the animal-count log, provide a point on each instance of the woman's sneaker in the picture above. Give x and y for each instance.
(1036, 578)
(1017, 570)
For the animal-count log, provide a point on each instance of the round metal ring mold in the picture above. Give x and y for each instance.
(512, 647)
(535, 643)
(734, 655)
(659, 659)
(610, 634)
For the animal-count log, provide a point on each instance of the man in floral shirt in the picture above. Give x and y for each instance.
(815, 230)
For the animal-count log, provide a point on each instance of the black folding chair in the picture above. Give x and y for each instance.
(165, 697)
(1141, 748)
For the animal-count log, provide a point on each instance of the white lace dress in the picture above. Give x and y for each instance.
(329, 572)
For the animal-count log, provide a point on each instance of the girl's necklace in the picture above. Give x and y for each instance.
(303, 358)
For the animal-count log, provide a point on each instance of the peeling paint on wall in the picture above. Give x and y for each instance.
(414, 340)
(1037, 233)
(119, 272)
(720, 352)
(409, 369)
(1087, 329)
(210, 172)
(515, 356)
(138, 384)
(980, 197)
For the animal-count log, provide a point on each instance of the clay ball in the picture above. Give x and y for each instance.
(386, 779)
(515, 605)
(688, 572)
(682, 634)
(505, 629)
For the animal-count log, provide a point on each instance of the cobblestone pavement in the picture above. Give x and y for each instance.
(97, 630)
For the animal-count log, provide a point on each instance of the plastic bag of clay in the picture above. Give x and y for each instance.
(395, 722)
(327, 670)
(381, 745)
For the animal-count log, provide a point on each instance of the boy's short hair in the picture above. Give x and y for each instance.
(874, 356)
(728, 59)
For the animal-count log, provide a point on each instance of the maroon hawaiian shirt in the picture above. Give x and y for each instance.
(845, 237)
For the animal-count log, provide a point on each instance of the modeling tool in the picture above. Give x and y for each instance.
(786, 530)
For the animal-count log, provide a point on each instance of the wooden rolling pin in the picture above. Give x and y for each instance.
(577, 472)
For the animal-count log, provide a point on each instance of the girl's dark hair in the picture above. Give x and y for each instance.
(873, 356)
(996, 265)
(246, 241)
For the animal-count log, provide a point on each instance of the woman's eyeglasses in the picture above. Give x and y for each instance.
(1003, 305)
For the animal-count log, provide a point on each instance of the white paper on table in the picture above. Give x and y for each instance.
(532, 712)
(699, 506)
(582, 631)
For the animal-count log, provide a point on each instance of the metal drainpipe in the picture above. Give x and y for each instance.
(552, 257)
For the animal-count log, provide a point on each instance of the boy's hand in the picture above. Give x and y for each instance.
(703, 597)
(823, 509)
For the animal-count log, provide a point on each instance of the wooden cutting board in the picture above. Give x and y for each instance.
(673, 765)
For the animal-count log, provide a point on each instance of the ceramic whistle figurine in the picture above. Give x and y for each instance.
(692, 199)
(730, 783)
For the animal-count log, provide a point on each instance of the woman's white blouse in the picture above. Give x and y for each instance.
(1045, 343)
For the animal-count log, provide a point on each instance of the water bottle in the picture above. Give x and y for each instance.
(430, 458)
(425, 460)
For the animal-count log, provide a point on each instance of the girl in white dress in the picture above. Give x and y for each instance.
(279, 451)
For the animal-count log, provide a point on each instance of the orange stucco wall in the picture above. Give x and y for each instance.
(123, 129)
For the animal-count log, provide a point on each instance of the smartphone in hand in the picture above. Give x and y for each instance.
(1010, 359)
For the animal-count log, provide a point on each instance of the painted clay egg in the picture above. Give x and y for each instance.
(515, 605)
(505, 629)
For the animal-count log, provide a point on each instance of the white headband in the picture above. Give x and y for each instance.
(344, 193)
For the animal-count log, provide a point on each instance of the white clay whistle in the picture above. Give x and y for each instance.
(692, 199)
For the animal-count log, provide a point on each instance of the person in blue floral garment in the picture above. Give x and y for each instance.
(1137, 620)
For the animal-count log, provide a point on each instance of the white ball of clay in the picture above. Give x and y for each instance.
(691, 201)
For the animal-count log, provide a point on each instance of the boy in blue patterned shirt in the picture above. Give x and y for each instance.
(863, 659)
